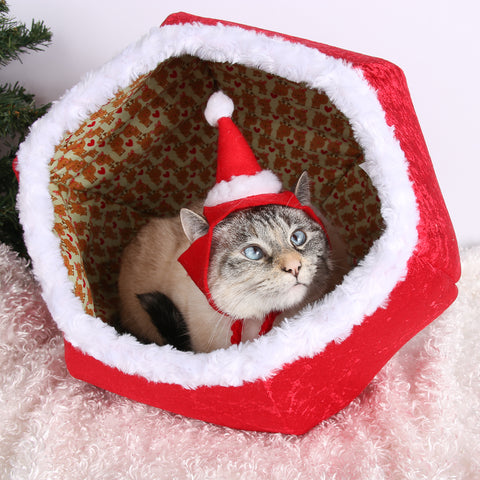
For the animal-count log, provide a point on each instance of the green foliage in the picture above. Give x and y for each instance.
(17, 112)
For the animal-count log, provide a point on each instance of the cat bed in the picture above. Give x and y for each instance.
(130, 141)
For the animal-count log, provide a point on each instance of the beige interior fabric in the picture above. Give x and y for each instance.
(149, 151)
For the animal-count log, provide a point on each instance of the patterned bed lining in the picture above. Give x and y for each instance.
(149, 151)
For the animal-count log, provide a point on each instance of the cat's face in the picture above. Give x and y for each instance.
(266, 259)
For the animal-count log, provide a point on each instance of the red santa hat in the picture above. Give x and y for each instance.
(238, 173)
(240, 183)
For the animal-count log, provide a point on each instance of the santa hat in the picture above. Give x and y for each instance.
(238, 173)
(240, 183)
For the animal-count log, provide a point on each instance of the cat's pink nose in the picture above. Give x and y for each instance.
(292, 265)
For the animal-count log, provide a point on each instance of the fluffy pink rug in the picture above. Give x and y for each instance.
(419, 419)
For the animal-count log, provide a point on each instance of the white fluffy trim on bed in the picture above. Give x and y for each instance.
(365, 289)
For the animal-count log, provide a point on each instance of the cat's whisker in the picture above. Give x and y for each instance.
(218, 326)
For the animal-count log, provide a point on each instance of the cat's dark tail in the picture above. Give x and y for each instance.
(167, 319)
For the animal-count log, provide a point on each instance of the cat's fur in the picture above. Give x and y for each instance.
(284, 280)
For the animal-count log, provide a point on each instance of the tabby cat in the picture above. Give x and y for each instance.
(264, 259)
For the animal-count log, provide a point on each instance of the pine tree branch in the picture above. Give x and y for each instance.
(17, 113)
(17, 110)
(16, 38)
(11, 231)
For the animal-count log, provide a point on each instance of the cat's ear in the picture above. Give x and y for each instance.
(194, 225)
(302, 189)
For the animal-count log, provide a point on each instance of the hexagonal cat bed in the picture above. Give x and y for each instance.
(130, 141)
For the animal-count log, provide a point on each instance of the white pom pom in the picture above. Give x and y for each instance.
(218, 106)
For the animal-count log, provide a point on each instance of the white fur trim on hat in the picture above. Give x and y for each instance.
(242, 186)
(218, 106)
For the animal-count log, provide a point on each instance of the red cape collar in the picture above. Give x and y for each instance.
(237, 327)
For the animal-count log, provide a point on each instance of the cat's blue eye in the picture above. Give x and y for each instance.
(253, 252)
(298, 238)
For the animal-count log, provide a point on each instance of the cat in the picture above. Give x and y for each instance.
(270, 258)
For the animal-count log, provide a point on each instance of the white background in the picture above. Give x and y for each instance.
(435, 42)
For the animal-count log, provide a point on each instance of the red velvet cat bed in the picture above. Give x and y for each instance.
(130, 141)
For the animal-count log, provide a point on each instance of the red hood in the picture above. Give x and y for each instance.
(196, 258)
